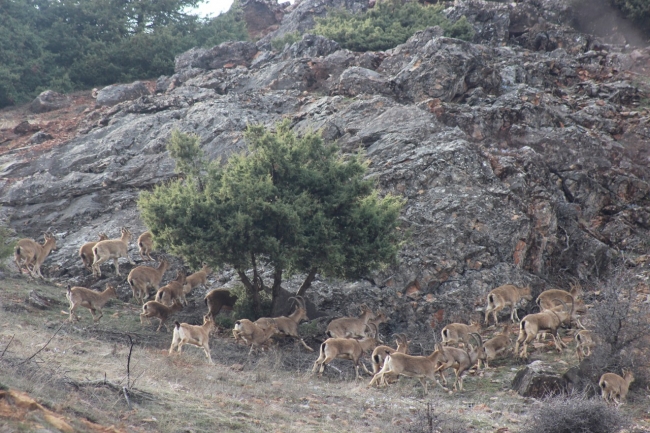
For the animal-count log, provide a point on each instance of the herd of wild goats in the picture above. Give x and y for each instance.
(348, 338)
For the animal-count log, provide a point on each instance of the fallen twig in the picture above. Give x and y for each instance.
(48, 342)
(7, 346)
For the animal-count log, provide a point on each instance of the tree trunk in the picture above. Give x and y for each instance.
(307, 283)
(276, 308)
(253, 292)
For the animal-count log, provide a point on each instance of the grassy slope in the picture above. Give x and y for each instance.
(272, 392)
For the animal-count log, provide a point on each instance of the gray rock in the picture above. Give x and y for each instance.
(49, 100)
(355, 81)
(40, 137)
(312, 46)
(539, 380)
(116, 93)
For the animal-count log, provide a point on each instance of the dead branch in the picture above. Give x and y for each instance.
(48, 342)
(7, 346)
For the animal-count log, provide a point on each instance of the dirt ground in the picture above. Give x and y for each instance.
(76, 374)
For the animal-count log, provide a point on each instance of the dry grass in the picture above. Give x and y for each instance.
(271, 392)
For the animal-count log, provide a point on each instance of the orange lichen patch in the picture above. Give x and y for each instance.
(520, 252)
(436, 318)
(412, 289)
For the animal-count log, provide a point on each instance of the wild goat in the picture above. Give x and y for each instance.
(253, 334)
(506, 296)
(145, 245)
(82, 297)
(491, 348)
(381, 352)
(584, 343)
(217, 299)
(546, 321)
(344, 348)
(550, 298)
(29, 252)
(380, 317)
(459, 333)
(350, 327)
(198, 336)
(460, 360)
(197, 278)
(159, 311)
(288, 326)
(86, 252)
(173, 290)
(143, 278)
(614, 387)
(422, 367)
(112, 249)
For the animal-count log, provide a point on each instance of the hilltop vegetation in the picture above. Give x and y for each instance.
(71, 45)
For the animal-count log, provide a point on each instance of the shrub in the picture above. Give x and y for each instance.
(574, 415)
(7, 242)
(429, 421)
(279, 43)
(243, 308)
(387, 25)
(620, 319)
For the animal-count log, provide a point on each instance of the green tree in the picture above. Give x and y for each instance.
(67, 45)
(290, 202)
(387, 25)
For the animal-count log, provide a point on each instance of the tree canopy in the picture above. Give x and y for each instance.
(68, 45)
(387, 25)
(291, 202)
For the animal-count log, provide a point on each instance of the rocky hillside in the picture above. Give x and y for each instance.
(524, 156)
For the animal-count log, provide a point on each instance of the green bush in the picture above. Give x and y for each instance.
(279, 43)
(243, 308)
(637, 11)
(7, 242)
(387, 25)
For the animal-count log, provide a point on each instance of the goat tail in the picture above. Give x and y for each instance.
(141, 245)
(377, 359)
(490, 299)
(329, 334)
(177, 325)
(17, 250)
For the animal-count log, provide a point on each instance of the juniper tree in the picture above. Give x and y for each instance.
(291, 202)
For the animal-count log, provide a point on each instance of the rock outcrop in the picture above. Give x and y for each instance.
(523, 156)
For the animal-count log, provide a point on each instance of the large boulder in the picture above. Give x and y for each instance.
(539, 380)
(116, 93)
(49, 100)
(225, 55)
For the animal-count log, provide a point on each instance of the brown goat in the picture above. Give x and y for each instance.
(86, 251)
(143, 278)
(459, 333)
(288, 326)
(29, 252)
(145, 245)
(506, 296)
(216, 299)
(159, 311)
(94, 301)
(173, 290)
(344, 348)
(198, 336)
(196, 279)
